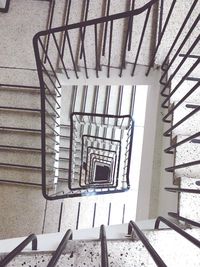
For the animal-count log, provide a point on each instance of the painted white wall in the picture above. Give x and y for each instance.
(141, 167)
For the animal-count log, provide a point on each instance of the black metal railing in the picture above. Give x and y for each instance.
(110, 216)
(104, 249)
(8, 258)
(180, 66)
(186, 220)
(181, 232)
(60, 249)
(66, 55)
(51, 57)
(132, 227)
(97, 149)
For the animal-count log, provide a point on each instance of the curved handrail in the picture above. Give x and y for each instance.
(177, 229)
(157, 259)
(104, 250)
(60, 248)
(96, 21)
(186, 220)
(31, 238)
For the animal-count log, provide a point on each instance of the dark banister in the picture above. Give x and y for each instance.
(161, 37)
(177, 229)
(71, 54)
(31, 238)
(194, 88)
(92, 22)
(168, 83)
(181, 121)
(184, 165)
(161, 18)
(123, 213)
(78, 215)
(106, 28)
(131, 27)
(67, 12)
(157, 259)
(190, 138)
(109, 212)
(110, 48)
(178, 34)
(82, 37)
(141, 40)
(84, 29)
(49, 26)
(94, 214)
(182, 190)
(42, 70)
(125, 47)
(96, 51)
(104, 250)
(61, 247)
(186, 220)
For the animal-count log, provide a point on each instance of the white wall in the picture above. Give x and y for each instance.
(141, 172)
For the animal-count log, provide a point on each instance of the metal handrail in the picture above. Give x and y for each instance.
(177, 229)
(60, 248)
(184, 165)
(31, 238)
(182, 190)
(157, 259)
(50, 72)
(104, 249)
(186, 220)
(177, 37)
(161, 37)
(190, 138)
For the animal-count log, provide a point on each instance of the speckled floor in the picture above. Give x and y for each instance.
(126, 253)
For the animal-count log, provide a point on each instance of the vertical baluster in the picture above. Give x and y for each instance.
(110, 48)
(106, 28)
(96, 50)
(78, 215)
(94, 214)
(84, 55)
(131, 27)
(71, 54)
(84, 29)
(132, 100)
(123, 213)
(141, 40)
(161, 36)
(161, 18)
(50, 20)
(66, 23)
(125, 47)
(60, 56)
(109, 212)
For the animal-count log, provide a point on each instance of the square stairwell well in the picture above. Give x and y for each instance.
(123, 206)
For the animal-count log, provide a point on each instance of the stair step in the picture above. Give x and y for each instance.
(23, 11)
(188, 127)
(172, 31)
(19, 202)
(189, 202)
(187, 152)
(183, 90)
(122, 253)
